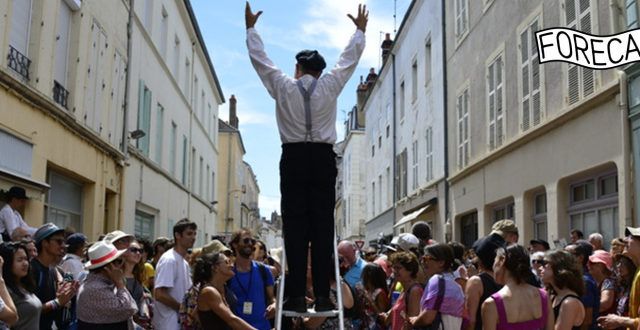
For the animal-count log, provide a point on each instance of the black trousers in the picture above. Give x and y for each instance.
(307, 186)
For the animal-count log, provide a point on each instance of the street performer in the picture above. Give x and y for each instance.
(306, 116)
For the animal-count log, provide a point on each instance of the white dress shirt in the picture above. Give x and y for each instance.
(11, 219)
(290, 113)
(73, 265)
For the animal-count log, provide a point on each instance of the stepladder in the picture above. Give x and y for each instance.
(338, 312)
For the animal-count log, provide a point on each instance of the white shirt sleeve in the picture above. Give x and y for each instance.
(165, 272)
(342, 71)
(272, 77)
(6, 213)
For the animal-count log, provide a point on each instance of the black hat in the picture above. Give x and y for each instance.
(311, 60)
(541, 242)
(17, 193)
(485, 248)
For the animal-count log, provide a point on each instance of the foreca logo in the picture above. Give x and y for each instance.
(587, 50)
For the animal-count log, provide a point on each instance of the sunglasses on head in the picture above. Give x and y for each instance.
(135, 250)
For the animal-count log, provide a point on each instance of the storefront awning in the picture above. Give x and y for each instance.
(411, 216)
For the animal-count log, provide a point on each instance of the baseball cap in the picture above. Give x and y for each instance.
(45, 231)
(541, 242)
(215, 246)
(602, 256)
(485, 248)
(76, 239)
(408, 241)
(504, 226)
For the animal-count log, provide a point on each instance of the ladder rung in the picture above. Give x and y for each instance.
(311, 313)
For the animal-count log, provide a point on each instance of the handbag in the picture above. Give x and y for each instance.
(437, 321)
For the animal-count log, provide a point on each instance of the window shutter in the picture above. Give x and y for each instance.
(460, 130)
(498, 95)
(92, 72)
(62, 44)
(585, 26)
(20, 25)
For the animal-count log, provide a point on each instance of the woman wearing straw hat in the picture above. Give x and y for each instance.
(116, 306)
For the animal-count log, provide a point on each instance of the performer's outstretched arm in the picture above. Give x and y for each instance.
(269, 73)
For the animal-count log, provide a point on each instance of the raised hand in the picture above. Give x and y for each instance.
(360, 21)
(250, 18)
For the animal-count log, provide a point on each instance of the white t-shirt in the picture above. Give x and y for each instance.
(172, 272)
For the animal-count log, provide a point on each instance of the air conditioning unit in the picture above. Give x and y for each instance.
(74, 4)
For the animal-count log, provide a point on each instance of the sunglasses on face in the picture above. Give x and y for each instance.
(539, 262)
(249, 241)
(135, 250)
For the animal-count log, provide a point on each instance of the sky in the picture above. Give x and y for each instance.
(286, 27)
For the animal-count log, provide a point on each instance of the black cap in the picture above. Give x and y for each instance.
(17, 193)
(311, 60)
(541, 242)
(485, 248)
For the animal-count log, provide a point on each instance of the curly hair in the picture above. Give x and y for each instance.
(203, 271)
(516, 262)
(407, 260)
(566, 272)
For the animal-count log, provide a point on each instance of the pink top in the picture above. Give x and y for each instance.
(398, 314)
(503, 324)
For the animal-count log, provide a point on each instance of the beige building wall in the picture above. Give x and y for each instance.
(250, 210)
(58, 145)
(564, 169)
(230, 188)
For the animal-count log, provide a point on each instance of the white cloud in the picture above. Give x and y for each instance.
(268, 204)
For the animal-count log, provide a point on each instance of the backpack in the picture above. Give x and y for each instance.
(437, 322)
(188, 313)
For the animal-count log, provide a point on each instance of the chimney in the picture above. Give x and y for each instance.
(361, 93)
(386, 46)
(233, 117)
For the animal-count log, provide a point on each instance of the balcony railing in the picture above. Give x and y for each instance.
(18, 62)
(60, 94)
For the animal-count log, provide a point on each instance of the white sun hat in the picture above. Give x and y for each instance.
(102, 253)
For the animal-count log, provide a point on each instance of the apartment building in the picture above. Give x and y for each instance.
(249, 210)
(62, 95)
(172, 171)
(405, 128)
(540, 144)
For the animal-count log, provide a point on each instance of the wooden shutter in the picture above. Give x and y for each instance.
(524, 68)
(62, 44)
(20, 25)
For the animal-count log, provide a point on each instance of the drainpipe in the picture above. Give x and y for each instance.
(626, 169)
(125, 119)
(394, 162)
(447, 226)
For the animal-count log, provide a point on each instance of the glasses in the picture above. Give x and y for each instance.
(248, 241)
(135, 250)
(539, 262)
(60, 241)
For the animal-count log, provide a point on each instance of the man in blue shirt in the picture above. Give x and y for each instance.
(351, 265)
(581, 249)
(252, 283)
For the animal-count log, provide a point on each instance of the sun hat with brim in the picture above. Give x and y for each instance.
(630, 231)
(45, 231)
(116, 235)
(215, 246)
(102, 253)
(603, 257)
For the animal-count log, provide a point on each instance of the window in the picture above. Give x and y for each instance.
(401, 101)
(580, 81)
(144, 224)
(195, 98)
(176, 59)
(172, 148)
(187, 74)
(185, 147)
(62, 44)
(148, 15)
(469, 229)
(201, 179)
(388, 128)
(531, 77)
(159, 134)
(208, 180)
(118, 82)
(379, 142)
(203, 116)
(192, 186)
(504, 211)
(389, 185)
(540, 216)
(462, 17)
(19, 37)
(373, 151)
(414, 81)
(93, 94)
(63, 205)
(414, 165)
(213, 186)
(496, 127)
(164, 31)
(21, 152)
(373, 199)
(380, 196)
(593, 205)
(144, 117)
(429, 154)
(427, 63)
(401, 174)
(211, 119)
(631, 14)
(462, 109)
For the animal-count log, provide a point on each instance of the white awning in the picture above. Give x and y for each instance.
(411, 216)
